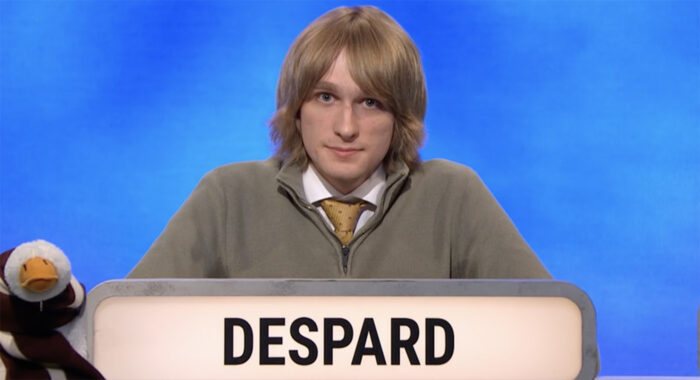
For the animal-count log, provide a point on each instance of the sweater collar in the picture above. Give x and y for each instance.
(290, 178)
(316, 188)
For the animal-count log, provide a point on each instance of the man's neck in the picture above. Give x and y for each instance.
(317, 188)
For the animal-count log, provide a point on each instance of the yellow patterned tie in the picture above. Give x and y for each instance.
(343, 216)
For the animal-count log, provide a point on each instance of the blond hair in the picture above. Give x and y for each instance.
(383, 61)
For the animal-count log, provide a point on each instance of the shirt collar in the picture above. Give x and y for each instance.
(316, 188)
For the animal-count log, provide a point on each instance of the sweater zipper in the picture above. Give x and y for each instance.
(345, 250)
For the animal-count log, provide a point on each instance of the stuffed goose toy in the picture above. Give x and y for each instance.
(40, 301)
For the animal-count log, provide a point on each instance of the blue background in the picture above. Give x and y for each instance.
(582, 117)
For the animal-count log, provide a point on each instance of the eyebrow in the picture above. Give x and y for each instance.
(325, 85)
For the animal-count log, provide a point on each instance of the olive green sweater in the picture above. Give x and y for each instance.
(250, 220)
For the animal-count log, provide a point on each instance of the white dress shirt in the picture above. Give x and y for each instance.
(317, 189)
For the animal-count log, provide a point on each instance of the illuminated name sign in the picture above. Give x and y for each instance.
(368, 342)
(306, 329)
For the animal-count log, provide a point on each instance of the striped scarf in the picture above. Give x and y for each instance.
(30, 345)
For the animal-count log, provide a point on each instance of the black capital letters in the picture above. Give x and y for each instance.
(328, 343)
(407, 344)
(266, 340)
(304, 341)
(229, 324)
(430, 324)
(368, 330)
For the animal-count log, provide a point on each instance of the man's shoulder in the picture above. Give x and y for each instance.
(267, 167)
(445, 170)
(248, 172)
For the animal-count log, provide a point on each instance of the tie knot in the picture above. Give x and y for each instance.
(344, 216)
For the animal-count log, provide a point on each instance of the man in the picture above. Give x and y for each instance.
(346, 196)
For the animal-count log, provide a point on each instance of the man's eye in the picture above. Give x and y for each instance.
(325, 97)
(372, 103)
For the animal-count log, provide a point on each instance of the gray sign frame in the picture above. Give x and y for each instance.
(340, 288)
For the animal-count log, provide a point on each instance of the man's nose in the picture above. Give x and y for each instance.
(346, 125)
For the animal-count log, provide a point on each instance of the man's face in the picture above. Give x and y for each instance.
(345, 131)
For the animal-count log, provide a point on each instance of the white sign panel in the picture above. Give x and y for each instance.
(339, 336)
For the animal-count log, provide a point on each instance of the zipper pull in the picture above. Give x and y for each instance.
(346, 254)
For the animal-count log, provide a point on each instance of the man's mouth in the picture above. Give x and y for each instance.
(344, 152)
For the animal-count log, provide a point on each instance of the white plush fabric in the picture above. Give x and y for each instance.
(43, 249)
